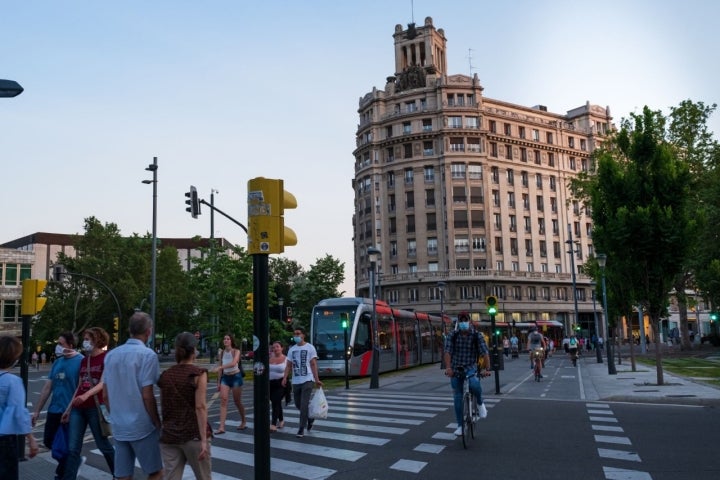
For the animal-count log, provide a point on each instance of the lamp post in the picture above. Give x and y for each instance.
(281, 302)
(602, 260)
(572, 251)
(597, 331)
(441, 288)
(373, 254)
(153, 167)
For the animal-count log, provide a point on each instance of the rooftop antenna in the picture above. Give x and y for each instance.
(470, 65)
(412, 11)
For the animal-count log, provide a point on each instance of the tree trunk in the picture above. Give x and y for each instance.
(631, 341)
(685, 343)
(654, 323)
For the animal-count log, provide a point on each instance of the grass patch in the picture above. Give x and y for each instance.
(699, 369)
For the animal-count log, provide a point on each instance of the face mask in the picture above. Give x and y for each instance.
(87, 345)
(464, 325)
(59, 350)
(297, 339)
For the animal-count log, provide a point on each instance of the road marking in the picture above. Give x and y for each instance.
(612, 439)
(607, 428)
(612, 473)
(619, 455)
(311, 449)
(603, 419)
(597, 405)
(445, 436)
(408, 466)
(600, 412)
(429, 448)
(287, 467)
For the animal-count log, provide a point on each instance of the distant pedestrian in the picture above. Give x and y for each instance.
(302, 362)
(230, 379)
(60, 388)
(43, 358)
(131, 371)
(506, 346)
(278, 363)
(83, 410)
(186, 433)
(14, 417)
(35, 360)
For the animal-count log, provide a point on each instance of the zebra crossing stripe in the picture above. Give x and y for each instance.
(612, 439)
(607, 428)
(612, 473)
(424, 408)
(286, 467)
(600, 412)
(603, 419)
(308, 448)
(411, 466)
(430, 414)
(619, 455)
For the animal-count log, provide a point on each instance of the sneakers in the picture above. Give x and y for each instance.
(300, 433)
(310, 423)
(458, 431)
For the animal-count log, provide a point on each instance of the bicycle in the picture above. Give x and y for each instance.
(470, 413)
(538, 361)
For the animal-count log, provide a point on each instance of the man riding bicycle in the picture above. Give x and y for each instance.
(463, 347)
(535, 342)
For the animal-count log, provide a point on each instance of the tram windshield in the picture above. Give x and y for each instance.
(328, 335)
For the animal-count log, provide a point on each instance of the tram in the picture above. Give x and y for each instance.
(405, 338)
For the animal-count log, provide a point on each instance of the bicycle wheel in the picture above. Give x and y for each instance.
(537, 369)
(466, 419)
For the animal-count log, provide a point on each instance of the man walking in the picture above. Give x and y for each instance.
(131, 371)
(302, 360)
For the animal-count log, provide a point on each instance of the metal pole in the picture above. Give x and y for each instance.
(569, 241)
(261, 384)
(495, 355)
(609, 353)
(345, 355)
(153, 167)
(374, 380)
(597, 331)
(641, 327)
(441, 287)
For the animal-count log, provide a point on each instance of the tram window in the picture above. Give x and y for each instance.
(362, 336)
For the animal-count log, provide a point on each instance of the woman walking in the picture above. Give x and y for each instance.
(14, 417)
(278, 361)
(230, 379)
(186, 434)
(83, 409)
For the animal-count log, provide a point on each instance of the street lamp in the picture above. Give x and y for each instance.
(602, 260)
(572, 251)
(597, 332)
(153, 167)
(374, 254)
(281, 302)
(441, 288)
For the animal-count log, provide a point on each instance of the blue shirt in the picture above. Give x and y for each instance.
(65, 375)
(129, 368)
(14, 417)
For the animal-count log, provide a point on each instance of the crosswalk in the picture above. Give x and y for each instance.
(359, 424)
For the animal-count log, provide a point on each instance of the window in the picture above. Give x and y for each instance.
(526, 221)
(457, 170)
(553, 204)
(528, 247)
(389, 155)
(510, 176)
(410, 106)
(498, 245)
(473, 145)
(393, 225)
(556, 250)
(430, 197)
(508, 129)
(427, 124)
(388, 131)
(477, 218)
(392, 296)
(526, 201)
(460, 219)
(407, 150)
(513, 223)
(549, 137)
(455, 122)
(531, 293)
(429, 174)
(572, 163)
(513, 246)
(411, 224)
(457, 144)
(511, 199)
(495, 174)
(516, 292)
(428, 148)
(583, 144)
(411, 248)
(523, 154)
(472, 122)
(496, 198)
(543, 248)
(493, 149)
(410, 199)
(576, 207)
(584, 164)
(476, 195)
(459, 194)
(475, 172)
(508, 152)
(538, 158)
(432, 267)
(413, 292)
(492, 126)
(462, 245)
(553, 186)
(536, 135)
(551, 159)
(571, 142)
(478, 244)
(391, 203)
(540, 203)
(514, 266)
(408, 176)
(555, 226)
(431, 222)
(393, 249)
(541, 225)
(498, 221)
(406, 128)
(538, 180)
(521, 132)
(524, 177)
(432, 246)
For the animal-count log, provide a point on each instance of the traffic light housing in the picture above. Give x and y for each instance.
(576, 327)
(192, 202)
(32, 302)
(491, 302)
(713, 317)
(249, 302)
(116, 329)
(267, 201)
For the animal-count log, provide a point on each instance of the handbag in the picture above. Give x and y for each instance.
(60, 443)
(318, 407)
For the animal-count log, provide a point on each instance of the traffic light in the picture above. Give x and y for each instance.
(192, 202)
(577, 327)
(491, 302)
(32, 302)
(116, 329)
(713, 317)
(249, 302)
(289, 315)
(267, 201)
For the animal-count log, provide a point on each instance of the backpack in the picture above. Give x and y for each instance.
(573, 342)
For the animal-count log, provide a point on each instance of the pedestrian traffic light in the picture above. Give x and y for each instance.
(32, 301)
(713, 317)
(116, 329)
(249, 302)
(267, 201)
(192, 202)
(491, 302)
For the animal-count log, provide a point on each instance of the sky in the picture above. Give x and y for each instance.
(225, 91)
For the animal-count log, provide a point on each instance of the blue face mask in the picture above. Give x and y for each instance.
(464, 325)
(297, 339)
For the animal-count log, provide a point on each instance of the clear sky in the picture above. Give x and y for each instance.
(224, 91)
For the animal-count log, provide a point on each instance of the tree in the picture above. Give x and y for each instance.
(638, 199)
(321, 281)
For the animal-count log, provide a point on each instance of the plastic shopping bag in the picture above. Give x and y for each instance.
(318, 404)
(483, 410)
(60, 443)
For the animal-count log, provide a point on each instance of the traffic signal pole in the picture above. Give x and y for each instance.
(491, 302)
(261, 360)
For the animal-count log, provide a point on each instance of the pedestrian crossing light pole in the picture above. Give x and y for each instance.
(491, 302)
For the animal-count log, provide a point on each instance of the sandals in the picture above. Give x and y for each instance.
(242, 427)
(219, 432)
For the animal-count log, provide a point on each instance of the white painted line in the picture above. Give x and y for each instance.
(347, 426)
(598, 405)
(337, 407)
(429, 448)
(607, 428)
(612, 439)
(619, 455)
(600, 412)
(295, 469)
(432, 406)
(408, 466)
(91, 473)
(603, 419)
(612, 473)
(444, 436)
(319, 450)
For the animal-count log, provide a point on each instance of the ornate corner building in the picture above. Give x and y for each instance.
(466, 196)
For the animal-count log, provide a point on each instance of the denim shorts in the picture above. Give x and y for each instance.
(232, 381)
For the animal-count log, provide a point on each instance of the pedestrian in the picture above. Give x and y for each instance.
(14, 417)
(85, 405)
(463, 347)
(278, 363)
(230, 378)
(302, 361)
(60, 387)
(131, 371)
(186, 433)
(35, 360)
(514, 345)
(43, 358)
(506, 346)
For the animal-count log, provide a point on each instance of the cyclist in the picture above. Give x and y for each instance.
(535, 341)
(462, 349)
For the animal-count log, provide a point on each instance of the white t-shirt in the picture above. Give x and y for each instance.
(300, 357)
